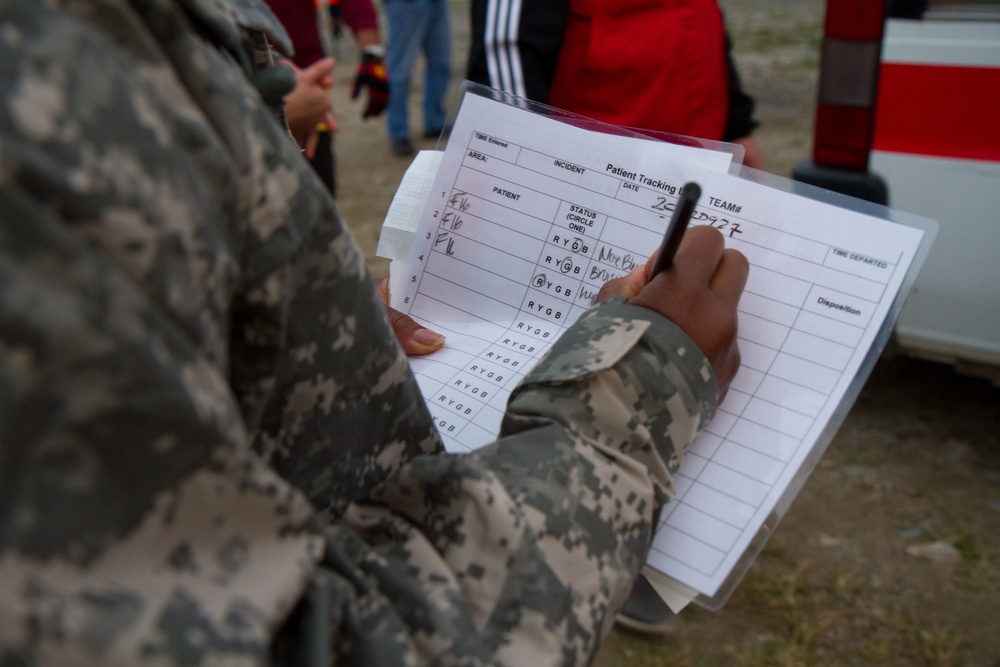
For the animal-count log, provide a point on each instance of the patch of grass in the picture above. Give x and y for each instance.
(784, 589)
(627, 649)
(794, 612)
(809, 63)
(967, 548)
(795, 619)
(928, 646)
(767, 39)
(905, 640)
(980, 566)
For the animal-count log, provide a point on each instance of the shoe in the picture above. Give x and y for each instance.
(645, 611)
(402, 147)
(433, 134)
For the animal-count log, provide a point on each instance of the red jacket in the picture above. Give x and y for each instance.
(645, 63)
(300, 20)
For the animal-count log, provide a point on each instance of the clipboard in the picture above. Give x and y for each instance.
(675, 591)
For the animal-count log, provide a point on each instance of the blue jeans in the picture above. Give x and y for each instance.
(417, 25)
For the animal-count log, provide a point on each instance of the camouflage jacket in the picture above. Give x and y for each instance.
(212, 451)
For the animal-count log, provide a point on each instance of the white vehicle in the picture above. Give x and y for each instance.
(909, 115)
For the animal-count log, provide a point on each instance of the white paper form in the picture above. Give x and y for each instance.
(529, 217)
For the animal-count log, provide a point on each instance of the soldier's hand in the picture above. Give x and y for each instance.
(372, 75)
(415, 339)
(699, 293)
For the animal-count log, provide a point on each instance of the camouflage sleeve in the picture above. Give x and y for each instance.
(135, 523)
(211, 449)
(176, 288)
(521, 553)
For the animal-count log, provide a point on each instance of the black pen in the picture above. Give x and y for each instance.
(675, 230)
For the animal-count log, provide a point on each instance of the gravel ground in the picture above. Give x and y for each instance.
(890, 555)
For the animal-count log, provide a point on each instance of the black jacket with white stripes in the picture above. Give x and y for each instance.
(515, 45)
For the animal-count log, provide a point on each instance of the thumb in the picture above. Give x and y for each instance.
(415, 339)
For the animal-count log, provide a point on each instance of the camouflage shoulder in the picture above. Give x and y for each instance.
(598, 340)
(602, 338)
(225, 16)
(606, 332)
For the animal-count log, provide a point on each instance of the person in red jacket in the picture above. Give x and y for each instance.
(662, 66)
(308, 107)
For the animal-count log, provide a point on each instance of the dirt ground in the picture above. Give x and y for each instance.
(890, 555)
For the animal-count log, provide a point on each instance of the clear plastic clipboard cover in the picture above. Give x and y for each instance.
(469, 88)
(928, 228)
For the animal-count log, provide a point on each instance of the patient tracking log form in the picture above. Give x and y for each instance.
(529, 216)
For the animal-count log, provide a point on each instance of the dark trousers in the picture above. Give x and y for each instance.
(324, 162)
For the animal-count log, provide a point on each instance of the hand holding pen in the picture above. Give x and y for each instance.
(678, 224)
(697, 285)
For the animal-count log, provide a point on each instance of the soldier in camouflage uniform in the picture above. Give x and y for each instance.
(212, 451)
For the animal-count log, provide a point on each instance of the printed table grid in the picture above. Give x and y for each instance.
(470, 214)
(523, 240)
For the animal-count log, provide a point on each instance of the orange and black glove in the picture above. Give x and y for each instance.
(373, 75)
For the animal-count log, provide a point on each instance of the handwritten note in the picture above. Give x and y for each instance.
(527, 219)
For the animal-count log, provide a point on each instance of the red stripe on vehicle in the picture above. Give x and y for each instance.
(939, 110)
